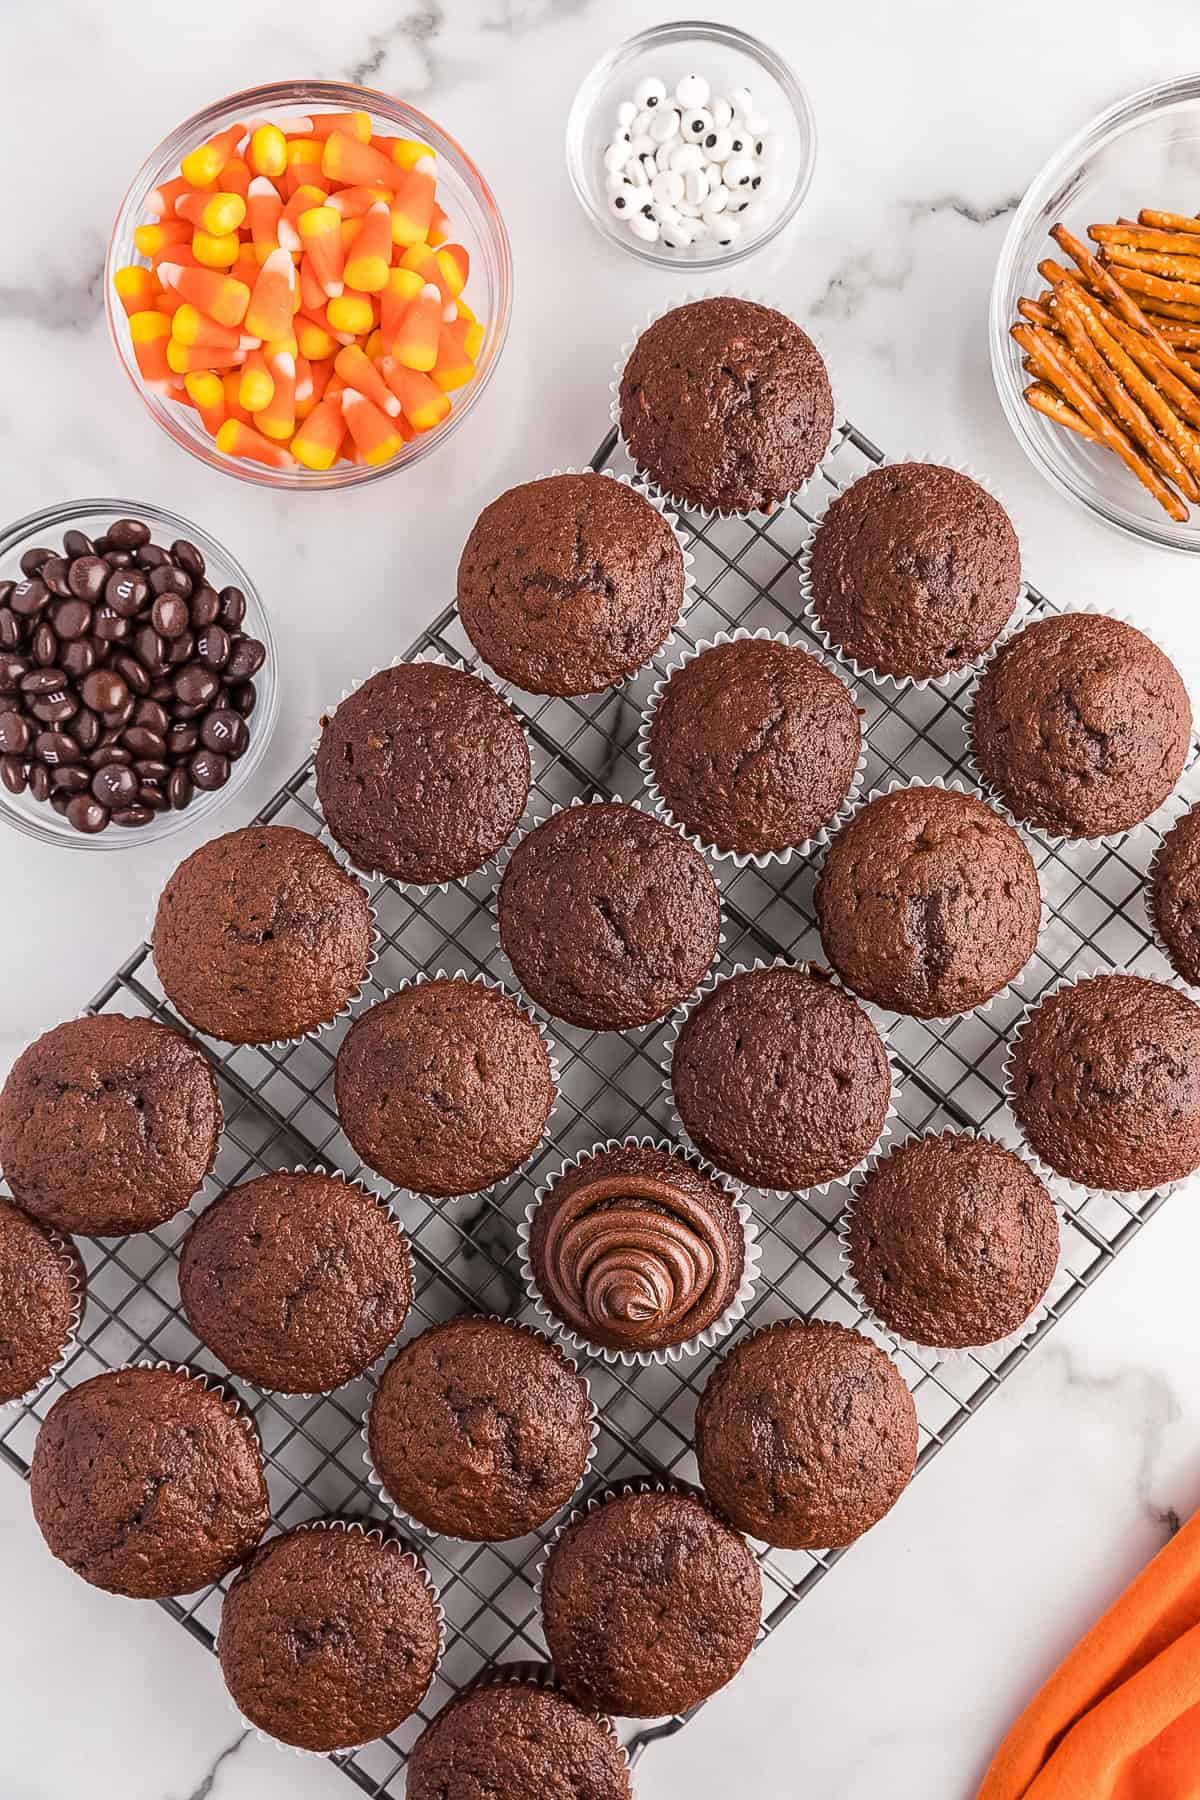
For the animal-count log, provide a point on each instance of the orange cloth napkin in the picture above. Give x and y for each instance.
(1120, 1718)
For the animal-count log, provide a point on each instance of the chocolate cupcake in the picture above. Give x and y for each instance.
(422, 773)
(953, 1241)
(780, 1078)
(297, 1281)
(913, 571)
(520, 1739)
(570, 583)
(445, 1087)
(753, 745)
(726, 405)
(480, 1429)
(806, 1435)
(329, 1637)
(147, 1482)
(41, 1297)
(650, 1603)
(108, 1125)
(608, 917)
(1104, 1080)
(1081, 725)
(928, 902)
(636, 1250)
(1174, 895)
(260, 937)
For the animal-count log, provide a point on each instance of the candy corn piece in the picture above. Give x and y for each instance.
(423, 403)
(185, 359)
(305, 398)
(375, 435)
(416, 342)
(202, 166)
(206, 392)
(218, 214)
(163, 199)
(151, 238)
(350, 124)
(367, 265)
(439, 227)
(313, 339)
(352, 164)
(407, 152)
(320, 231)
(263, 207)
(353, 202)
(257, 384)
(189, 326)
(235, 177)
(319, 438)
(231, 383)
(278, 417)
(215, 252)
(412, 208)
(359, 372)
(455, 366)
(269, 314)
(236, 439)
(403, 285)
(151, 334)
(137, 288)
(352, 313)
(267, 150)
(289, 224)
(220, 296)
(304, 165)
(455, 266)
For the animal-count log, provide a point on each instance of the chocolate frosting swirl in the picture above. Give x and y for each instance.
(631, 1256)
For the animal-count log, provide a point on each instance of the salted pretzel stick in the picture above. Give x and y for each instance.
(1054, 273)
(1182, 337)
(1051, 355)
(1169, 221)
(1162, 287)
(1043, 372)
(1046, 400)
(1154, 262)
(1084, 334)
(1107, 288)
(1154, 308)
(1139, 405)
(1140, 237)
(1037, 312)
(1179, 393)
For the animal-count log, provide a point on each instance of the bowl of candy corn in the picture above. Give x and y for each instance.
(309, 284)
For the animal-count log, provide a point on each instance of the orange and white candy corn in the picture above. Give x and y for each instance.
(314, 339)
(351, 313)
(455, 365)
(375, 435)
(266, 152)
(257, 384)
(202, 166)
(151, 334)
(162, 199)
(412, 208)
(353, 202)
(407, 152)
(263, 209)
(320, 229)
(277, 419)
(403, 286)
(185, 359)
(150, 239)
(350, 124)
(220, 296)
(422, 401)
(353, 164)
(368, 263)
(236, 439)
(235, 177)
(319, 438)
(215, 252)
(416, 342)
(271, 309)
(455, 266)
(136, 288)
(216, 213)
(359, 372)
(190, 326)
(206, 392)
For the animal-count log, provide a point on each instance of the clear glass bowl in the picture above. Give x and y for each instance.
(1145, 151)
(727, 59)
(462, 192)
(37, 818)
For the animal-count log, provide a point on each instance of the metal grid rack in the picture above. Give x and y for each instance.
(279, 1111)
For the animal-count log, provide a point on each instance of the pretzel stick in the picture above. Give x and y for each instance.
(1137, 281)
(1154, 262)
(1046, 400)
(1154, 309)
(1053, 357)
(1140, 237)
(1045, 373)
(1104, 284)
(1182, 396)
(1168, 221)
(1094, 348)
(1054, 273)
(1181, 337)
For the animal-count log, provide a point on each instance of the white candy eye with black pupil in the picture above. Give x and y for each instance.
(737, 146)
(759, 146)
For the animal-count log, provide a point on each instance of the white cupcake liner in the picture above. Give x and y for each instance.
(509, 851)
(762, 859)
(670, 1353)
(430, 1532)
(1078, 1190)
(376, 1364)
(1045, 915)
(480, 671)
(1056, 841)
(679, 1019)
(691, 299)
(366, 1175)
(371, 1528)
(931, 1356)
(316, 1031)
(540, 1675)
(900, 684)
(1172, 811)
(64, 1248)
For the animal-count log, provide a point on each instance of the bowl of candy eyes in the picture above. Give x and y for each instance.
(691, 144)
(309, 285)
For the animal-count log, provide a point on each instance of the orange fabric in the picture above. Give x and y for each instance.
(1120, 1718)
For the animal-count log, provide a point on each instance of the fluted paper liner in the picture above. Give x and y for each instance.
(67, 1253)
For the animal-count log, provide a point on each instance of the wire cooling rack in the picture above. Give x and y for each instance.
(279, 1111)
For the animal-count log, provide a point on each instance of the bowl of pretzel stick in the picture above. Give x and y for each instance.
(1095, 317)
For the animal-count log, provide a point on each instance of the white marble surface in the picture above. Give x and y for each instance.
(900, 1671)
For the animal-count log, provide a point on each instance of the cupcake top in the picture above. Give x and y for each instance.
(726, 405)
(296, 1281)
(445, 1087)
(781, 1078)
(260, 936)
(480, 1429)
(608, 916)
(1081, 725)
(1105, 1082)
(521, 1739)
(637, 1249)
(570, 583)
(953, 1241)
(754, 745)
(1175, 895)
(108, 1125)
(928, 902)
(147, 1483)
(422, 773)
(915, 570)
(329, 1638)
(806, 1435)
(650, 1603)
(41, 1286)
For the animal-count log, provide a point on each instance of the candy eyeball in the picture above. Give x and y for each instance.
(695, 186)
(738, 172)
(725, 230)
(626, 114)
(692, 90)
(722, 112)
(662, 156)
(739, 144)
(644, 145)
(760, 148)
(617, 155)
(668, 186)
(716, 200)
(650, 92)
(623, 201)
(677, 233)
(664, 124)
(743, 101)
(697, 125)
(635, 173)
(685, 157)
(717, 146)
(644, 228)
